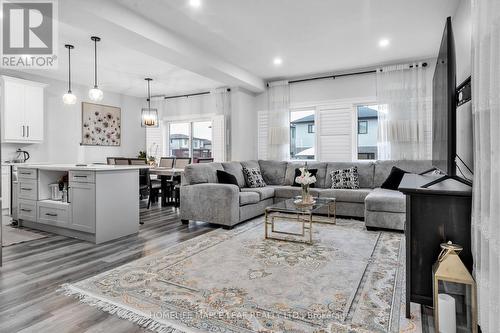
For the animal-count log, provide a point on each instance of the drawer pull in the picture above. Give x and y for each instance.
(26, 189)
(25, 173)
(50, 214)
(25, 210)
(78, 176)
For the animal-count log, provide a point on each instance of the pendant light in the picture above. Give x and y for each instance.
(149, 116)
(69, 98)
(95, 94)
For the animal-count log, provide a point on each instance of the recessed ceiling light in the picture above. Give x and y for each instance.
(384, 42)
(277, 61)
(195, 3)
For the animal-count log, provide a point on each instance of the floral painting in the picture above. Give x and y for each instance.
(101, 125)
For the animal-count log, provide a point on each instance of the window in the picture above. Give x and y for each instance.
(191, 139)
(302, 137)
(202, 139)
(367, 132)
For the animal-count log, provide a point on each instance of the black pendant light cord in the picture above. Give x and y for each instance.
(149, 93)
(95, 39)
(69, 47)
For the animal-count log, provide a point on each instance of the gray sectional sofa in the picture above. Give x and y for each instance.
(204, 199)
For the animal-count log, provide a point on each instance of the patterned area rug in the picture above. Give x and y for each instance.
(235, 281)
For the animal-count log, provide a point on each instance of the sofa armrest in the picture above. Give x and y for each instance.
(210, 202)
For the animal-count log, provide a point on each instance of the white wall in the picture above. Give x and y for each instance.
(63, 126)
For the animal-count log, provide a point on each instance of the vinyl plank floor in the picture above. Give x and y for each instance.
(33, 271)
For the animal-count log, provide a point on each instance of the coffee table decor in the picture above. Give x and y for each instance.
(305, 179)
(296, 211)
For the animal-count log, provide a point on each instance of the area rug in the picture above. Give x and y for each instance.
(16, 235)
(236, 281)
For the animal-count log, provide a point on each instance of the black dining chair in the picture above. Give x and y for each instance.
(181, 162)
(205, 160)
(110, 160)
(137, 161)
(122, 161)
(166, 162)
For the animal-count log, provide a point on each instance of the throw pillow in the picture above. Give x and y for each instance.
(345, 178)
(313, 172)
(253, 177)
(226, 178)
(392, 182)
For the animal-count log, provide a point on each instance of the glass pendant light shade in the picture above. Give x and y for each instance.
(69, 98)
(95, 94)
(149, 116)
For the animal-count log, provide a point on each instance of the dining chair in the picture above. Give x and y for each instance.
(205, 160)
(122, 161)
(167, 162)
(181, 162)
(110, 160)
(137, 161)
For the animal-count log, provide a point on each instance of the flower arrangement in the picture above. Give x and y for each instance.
(305, 180)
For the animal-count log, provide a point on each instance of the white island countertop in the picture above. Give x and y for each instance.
(82, 167)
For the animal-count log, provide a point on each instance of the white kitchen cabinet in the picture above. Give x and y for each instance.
(22, 110)
(83, 209)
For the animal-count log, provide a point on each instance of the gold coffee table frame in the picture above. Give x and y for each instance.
(305, 215)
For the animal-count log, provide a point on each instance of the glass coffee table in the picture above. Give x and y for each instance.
(305, 215)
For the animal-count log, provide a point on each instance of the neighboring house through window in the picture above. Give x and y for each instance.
(367, 131)
(302, 136)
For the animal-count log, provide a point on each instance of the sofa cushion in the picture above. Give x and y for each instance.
(365, 172)
(226, 178)
(313, 172)
(345, 178)
(236, 169)
(320, 176)
(383, 200)
(253, 177)
(263, 192)
(293, 191)
(250, 164)
(346, 195)
(273, 172)
(247, 198)
(383, 168)
(201, 173)
(394, 179)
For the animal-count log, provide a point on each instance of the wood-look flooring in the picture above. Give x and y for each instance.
(33, 271)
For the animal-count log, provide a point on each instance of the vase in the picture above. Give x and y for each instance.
(306, 196)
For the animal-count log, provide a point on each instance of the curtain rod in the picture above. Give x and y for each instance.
(341, 75)
(186, 95)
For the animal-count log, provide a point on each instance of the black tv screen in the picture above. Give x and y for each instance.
(444, 105)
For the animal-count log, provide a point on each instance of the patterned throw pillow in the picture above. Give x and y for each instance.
(253, 177)
(345, 178)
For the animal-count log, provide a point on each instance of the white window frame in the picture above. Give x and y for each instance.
(355, 106)
(189, 120)
(312, 108)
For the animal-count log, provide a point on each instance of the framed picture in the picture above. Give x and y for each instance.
(362, 127)
(101, 125)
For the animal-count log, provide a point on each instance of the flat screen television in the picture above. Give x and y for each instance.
(444, 109)
(444, 105)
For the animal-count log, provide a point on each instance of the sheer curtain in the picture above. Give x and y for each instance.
(404, 97)
(278, 95)
(486, 186)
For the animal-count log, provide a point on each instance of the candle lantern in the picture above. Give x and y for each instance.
(454, 292)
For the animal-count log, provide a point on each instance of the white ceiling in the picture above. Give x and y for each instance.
(311, 36)
(233, 42)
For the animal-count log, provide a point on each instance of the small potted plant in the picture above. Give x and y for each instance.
(152, 160)
(305, 180)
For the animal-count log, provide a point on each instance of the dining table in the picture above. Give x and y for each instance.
(166, 176)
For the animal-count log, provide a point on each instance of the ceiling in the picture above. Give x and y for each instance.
(233, 42)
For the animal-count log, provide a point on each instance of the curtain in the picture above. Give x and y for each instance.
(223, 108)
(405, 122)
(486, 185)
(278, 95)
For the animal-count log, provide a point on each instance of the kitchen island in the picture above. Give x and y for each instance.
(102, 204)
